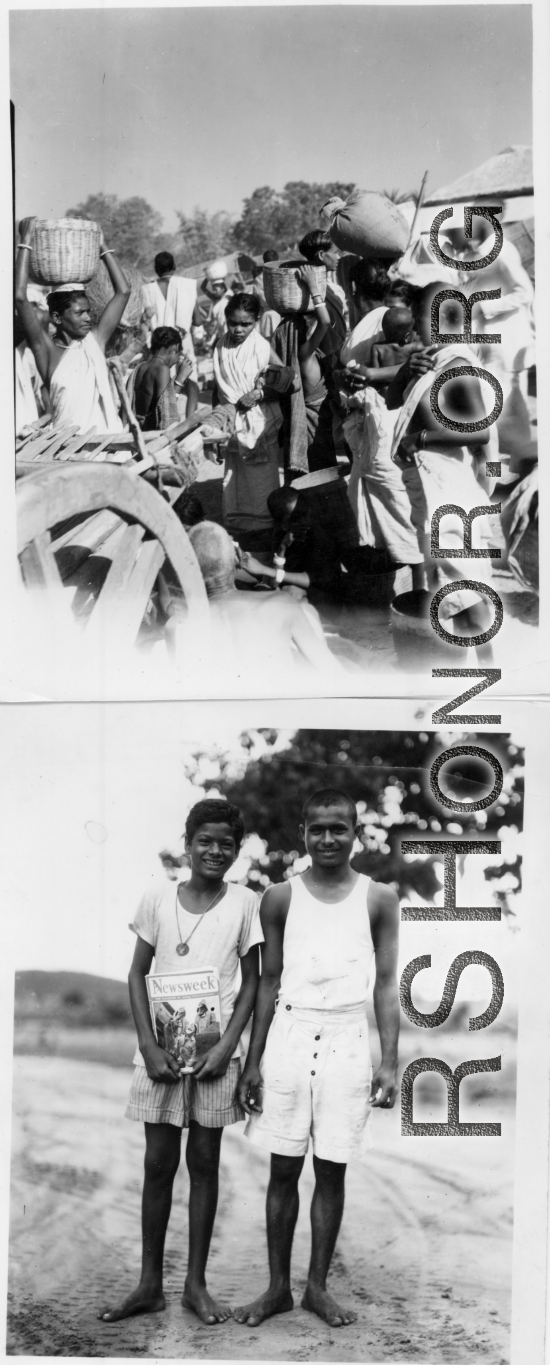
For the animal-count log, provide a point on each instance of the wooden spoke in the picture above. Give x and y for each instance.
(60, 492)
(39, 566)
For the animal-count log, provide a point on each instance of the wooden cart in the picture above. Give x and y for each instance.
(87, 517)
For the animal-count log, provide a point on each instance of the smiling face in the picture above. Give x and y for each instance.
(76, 321)
(212, 851)
(329, 835)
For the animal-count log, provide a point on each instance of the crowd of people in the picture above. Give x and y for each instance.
(335, 394)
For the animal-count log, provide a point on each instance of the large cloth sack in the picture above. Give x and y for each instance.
(369, 225)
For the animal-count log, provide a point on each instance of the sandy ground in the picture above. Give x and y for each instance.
(424, 1253)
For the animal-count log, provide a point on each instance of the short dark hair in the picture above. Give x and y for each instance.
(322, 800)
(164, 262)
(370, 280)
(270, 255)
(396, 321)
(314, 242)
(59, 301)
(250, 304)
(215, 812)
(284, 502)
(165, 337)
(188, 508)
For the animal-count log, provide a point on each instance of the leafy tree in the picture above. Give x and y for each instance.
(130, 226)
(386, 773)
(202, 236)
(278, 220)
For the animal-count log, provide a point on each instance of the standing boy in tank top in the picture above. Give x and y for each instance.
(321, 930)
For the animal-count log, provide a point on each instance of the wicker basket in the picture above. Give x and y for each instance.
(64, 250)
(100, 291)
(285, 292)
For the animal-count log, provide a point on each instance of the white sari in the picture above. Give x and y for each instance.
(252, 454)
(80, 389)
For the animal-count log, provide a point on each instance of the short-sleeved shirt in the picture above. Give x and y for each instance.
(226, 933)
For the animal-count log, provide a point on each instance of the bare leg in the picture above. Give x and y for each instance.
(327, 1208)
(203, 1162)
(475, 620)
(162, 1156)
(282, 1212)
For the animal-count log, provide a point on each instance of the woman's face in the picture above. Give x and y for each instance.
(239, 325)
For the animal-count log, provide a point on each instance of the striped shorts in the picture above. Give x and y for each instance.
(211, 1103)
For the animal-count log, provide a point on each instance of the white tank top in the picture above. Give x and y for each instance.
(327, 950)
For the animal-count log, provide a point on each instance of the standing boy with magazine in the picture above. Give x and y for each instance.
(322, 929)
(203, 922)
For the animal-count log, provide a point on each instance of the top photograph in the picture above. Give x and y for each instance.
(275, 360)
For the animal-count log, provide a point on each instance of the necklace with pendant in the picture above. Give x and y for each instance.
(182, 948)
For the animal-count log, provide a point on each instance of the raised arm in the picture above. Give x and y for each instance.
(383, 906)
(160, 1065)
(307, 349)
(116, 306)
(34, 333)
(273, 913)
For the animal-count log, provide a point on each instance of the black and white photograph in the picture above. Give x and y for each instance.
(275, 367)
(298, 1195)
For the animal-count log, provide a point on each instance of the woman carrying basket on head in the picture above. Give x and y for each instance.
(72, 363)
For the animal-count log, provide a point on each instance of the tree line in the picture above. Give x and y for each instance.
(269, 219)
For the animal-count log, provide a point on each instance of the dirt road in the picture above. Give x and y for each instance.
(424, 1254)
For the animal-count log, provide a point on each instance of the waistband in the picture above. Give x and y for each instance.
(348, 1014)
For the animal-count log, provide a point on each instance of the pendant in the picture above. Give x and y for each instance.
(182, 949)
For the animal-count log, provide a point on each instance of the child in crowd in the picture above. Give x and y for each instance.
(397, 328)
(155, 393)
(185, 926)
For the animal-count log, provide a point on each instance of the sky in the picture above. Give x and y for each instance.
(198, 107)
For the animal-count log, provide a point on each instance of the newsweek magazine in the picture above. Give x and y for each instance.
(185, 1013)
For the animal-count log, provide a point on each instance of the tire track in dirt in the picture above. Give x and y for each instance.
(415, 1238)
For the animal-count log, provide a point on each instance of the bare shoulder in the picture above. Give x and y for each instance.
(275, 903)
(383, 905)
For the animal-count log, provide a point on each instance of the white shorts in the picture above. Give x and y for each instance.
(317, 1074)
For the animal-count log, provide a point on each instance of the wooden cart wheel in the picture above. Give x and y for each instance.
(61, 493)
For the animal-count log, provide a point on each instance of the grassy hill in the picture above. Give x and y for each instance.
(71, 1000)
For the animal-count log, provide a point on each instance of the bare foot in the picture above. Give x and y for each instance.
(271, 1303)
(208, 1310)
(142, 1301)
(320, 1303)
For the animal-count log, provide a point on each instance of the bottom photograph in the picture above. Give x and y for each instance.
(265, 1039)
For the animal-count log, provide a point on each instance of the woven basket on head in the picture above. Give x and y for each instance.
(285, 292)
(100, 291)
(64, 250)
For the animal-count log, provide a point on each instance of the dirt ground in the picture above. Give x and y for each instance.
(424, 1254)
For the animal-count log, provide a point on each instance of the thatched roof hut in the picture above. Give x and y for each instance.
(508, 174)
